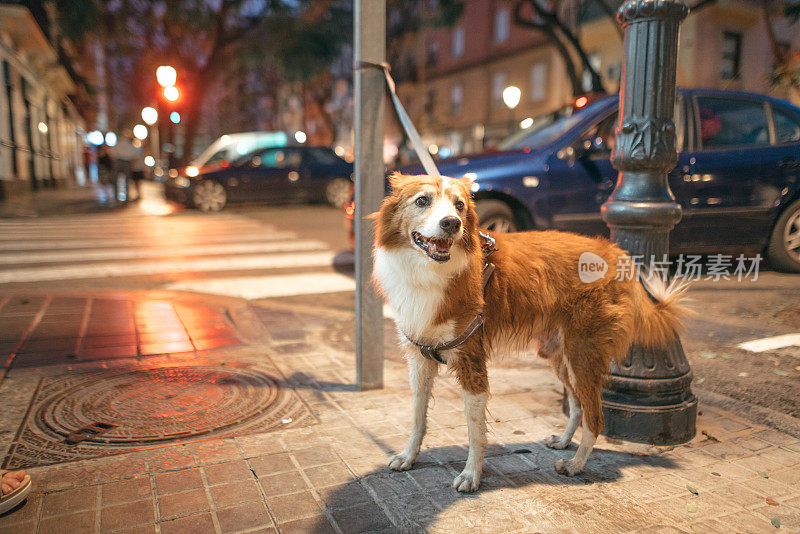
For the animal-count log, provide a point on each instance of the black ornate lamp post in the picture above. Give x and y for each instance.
(648, 397)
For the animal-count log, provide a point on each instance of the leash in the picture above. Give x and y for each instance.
(432, 352)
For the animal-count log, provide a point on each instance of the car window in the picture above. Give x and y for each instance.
(219, 155)
(730, 122)
(787, 129)
(320, 156)
(277, 158)
(600, 138)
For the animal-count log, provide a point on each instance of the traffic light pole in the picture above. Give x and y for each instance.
(370, 46)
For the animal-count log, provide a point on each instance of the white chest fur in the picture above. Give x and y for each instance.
(415, 287)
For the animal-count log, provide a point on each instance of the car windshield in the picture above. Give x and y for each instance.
(244, 160)
(545, 129)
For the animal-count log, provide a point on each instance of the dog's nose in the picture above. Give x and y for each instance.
(450, 224)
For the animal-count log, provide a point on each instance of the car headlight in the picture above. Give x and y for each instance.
(182, 181)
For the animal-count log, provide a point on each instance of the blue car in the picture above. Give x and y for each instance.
(737, 178)
(275, 175)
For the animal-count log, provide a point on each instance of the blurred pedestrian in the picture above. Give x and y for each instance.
(127, 160)
(105, 168)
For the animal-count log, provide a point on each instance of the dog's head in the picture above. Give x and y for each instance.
(435, 216)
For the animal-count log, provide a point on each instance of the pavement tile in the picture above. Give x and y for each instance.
(178, 481)
(328, 475)
(78, 522)
(318, 525)
(789, 476)
(344, 495)
(283, 483)
(291, 507)
(313, 456)
(228, 472)
(171, 459)
(126, 490)
(124, 468)
(235, 492)
(271, 464)
(139, 529)
(193, 524)
(244, 516)
(127, 515)
(747, 523)
(18, 528)
(63, 502)
(362, 518)
(183, 503)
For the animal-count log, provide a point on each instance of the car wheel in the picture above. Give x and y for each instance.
(783, 251)
(209, 196)
(338, 192)
(496, 216)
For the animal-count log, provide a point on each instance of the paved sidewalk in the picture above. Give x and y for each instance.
(71, 199)
(322, 467)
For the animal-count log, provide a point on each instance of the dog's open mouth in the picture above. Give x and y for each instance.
(437, 248)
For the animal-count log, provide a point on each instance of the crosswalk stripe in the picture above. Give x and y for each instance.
(66, 244)
(134, 268)
(150, 252)
(258, 287)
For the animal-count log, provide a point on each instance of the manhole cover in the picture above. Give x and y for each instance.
(149, 407)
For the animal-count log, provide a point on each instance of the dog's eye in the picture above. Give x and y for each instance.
(459, 205)
(422, 201)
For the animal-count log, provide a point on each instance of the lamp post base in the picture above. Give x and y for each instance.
(633, 422)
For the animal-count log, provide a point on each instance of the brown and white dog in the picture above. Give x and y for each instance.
(428, 266)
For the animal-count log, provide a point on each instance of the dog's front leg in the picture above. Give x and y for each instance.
(422, 373)
(470, 370)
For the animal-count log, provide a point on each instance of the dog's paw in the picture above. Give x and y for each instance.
(402, 461)
(467, 481)
(567, 467)
(555, 442)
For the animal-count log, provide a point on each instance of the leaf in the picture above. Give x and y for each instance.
(522, 451)
(727, 356)
(776, 522)
(692, 489)
(780, 372)
(286, 421)
(691, 507)
(762, 474)
(708, 355)
(772, 502)
(715, 474)
(700, 380)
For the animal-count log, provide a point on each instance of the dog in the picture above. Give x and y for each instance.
(430, 265)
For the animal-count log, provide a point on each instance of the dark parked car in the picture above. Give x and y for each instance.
(737, 178)
(270, 175)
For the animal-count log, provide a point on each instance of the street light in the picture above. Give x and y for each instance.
(149, 115)
(300, 136)
(166, 76)
(111, 139)
(171, 93)
(140, 132)
(511, 96)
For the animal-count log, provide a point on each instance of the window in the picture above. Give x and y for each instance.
(498, 84)
(787, 129)
(538, 90)
(277, 158)
(457, 96)
(731, 55)
(728, 122)
(322, 156)
(501, 25)
(433, 53)
(458, 42)
(586, 79)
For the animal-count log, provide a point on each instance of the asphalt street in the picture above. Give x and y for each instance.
(299, 255)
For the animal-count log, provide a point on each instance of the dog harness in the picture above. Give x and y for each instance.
(433, 352)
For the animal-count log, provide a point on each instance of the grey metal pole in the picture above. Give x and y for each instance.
(648, 397)
(370, 46)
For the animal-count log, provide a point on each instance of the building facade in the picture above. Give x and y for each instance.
(41, 132)
(452, 79)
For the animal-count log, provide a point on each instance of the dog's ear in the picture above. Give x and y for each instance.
(373, 216)
(468, 178)
(397, 180)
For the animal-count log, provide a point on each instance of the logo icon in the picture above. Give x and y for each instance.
(591, 267)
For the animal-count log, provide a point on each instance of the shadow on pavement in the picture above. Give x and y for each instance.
(416, 498)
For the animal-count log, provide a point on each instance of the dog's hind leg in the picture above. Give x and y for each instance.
(575, 415)
(422, 374)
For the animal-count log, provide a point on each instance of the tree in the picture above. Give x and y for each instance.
(785, 59)
(545, 17)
